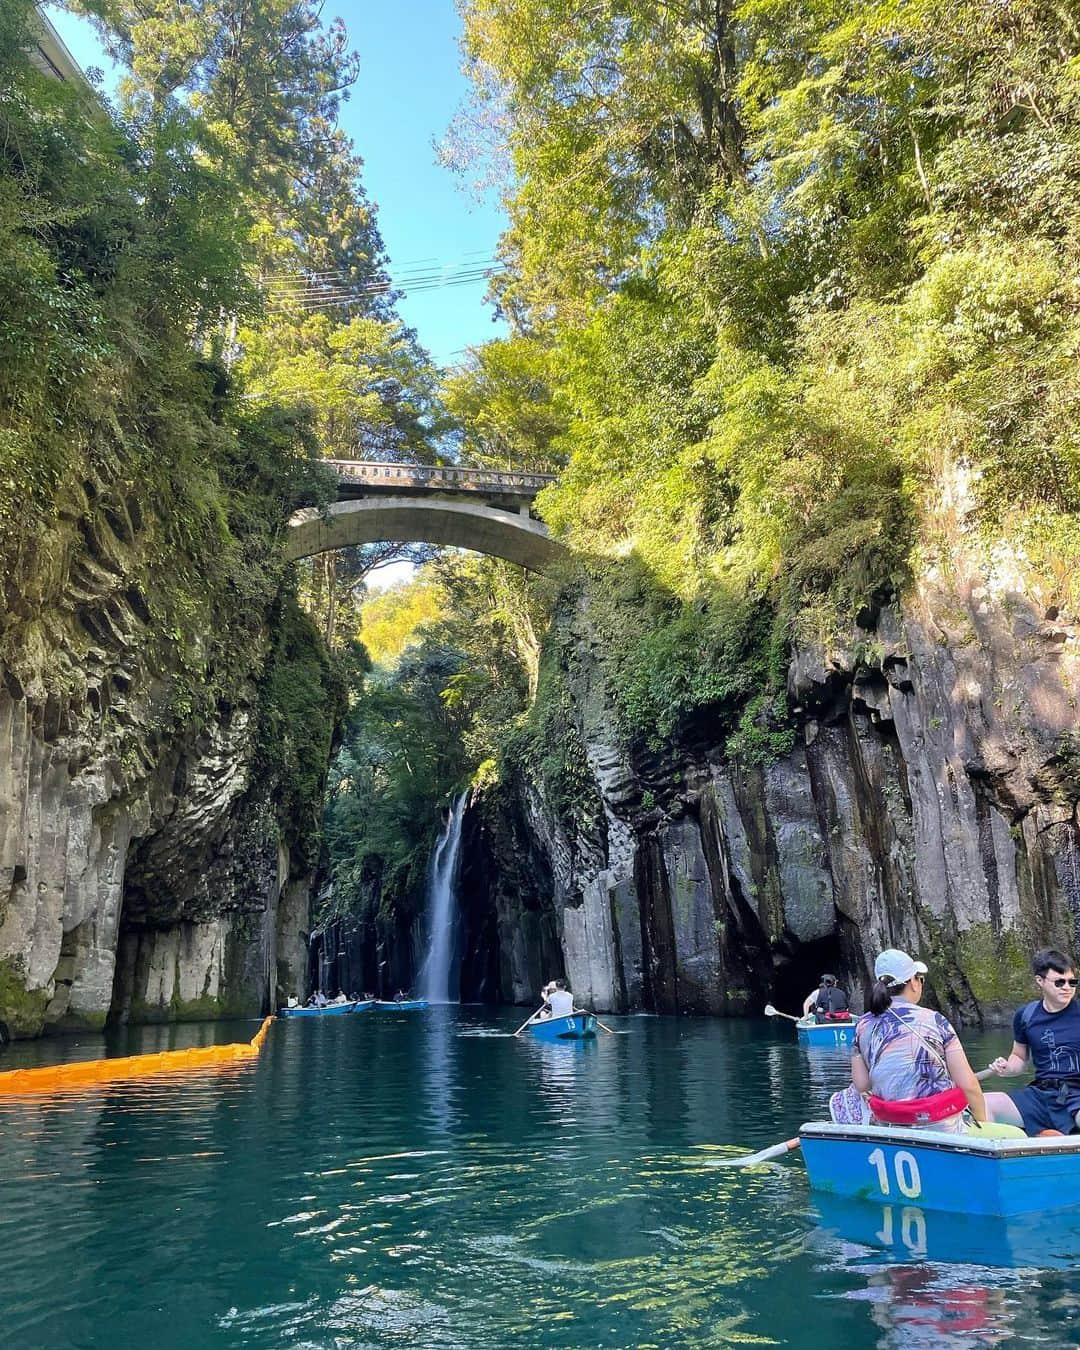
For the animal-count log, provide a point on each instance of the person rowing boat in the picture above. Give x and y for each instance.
(828, 1002)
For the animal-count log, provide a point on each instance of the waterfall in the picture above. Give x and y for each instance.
(435, 974)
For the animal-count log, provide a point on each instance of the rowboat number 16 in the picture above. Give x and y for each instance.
(906, 1169)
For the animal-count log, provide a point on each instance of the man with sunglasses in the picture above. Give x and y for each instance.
(1048, 1032)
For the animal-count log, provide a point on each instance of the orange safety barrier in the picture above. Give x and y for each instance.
(86, 1073)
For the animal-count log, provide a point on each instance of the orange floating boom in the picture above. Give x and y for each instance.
(86, 1073)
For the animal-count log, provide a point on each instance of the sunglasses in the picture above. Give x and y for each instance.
(1061, 984)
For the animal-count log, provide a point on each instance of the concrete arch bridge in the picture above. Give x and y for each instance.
(486, 510)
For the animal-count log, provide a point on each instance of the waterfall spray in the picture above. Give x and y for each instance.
(442, 911)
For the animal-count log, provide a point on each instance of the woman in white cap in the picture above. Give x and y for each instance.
(909, 1058)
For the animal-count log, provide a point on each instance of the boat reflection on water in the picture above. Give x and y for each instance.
(562, 1066)
(906, 1232)
(931, 1275)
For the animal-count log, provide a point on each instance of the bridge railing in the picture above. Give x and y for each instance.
(439, 476)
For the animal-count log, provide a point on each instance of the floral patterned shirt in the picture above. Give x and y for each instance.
(900, 1064)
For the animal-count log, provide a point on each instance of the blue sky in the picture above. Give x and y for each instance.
(409, 88)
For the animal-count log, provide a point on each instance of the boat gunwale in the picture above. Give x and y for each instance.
(940, 1141)
(566, 1017)
(351, 1006)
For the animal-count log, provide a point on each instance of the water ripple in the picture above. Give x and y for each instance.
(426, 1183)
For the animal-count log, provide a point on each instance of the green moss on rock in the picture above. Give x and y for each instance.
(22, 1009)
(79, 1021)
(996, 967)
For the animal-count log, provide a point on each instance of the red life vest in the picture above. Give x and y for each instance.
(919, 1110)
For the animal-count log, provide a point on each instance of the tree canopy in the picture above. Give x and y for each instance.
(799, 280)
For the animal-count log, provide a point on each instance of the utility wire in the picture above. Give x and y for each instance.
(329, 298)
(344, 287)
(332, 285)
(304, 281)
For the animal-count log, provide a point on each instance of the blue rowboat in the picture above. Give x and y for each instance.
(331, 1009)
(405, 1005)
(937, 1171)
(826, 1033)
(575, 1027)
(908, 1232)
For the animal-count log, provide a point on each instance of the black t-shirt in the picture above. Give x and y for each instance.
(1053, 1040)
(832, 999)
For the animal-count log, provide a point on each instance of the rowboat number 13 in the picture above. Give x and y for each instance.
(906, 1169)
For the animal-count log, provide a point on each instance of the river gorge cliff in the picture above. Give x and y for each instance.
(929, 802)
(155, 859)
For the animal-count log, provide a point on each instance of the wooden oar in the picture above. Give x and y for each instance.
(770, 1011)
(529, 1019)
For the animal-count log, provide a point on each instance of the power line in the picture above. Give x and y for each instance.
(411, 276)
(341, 285)
(329, 297)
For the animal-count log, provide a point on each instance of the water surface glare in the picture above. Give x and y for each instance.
(404, 1179)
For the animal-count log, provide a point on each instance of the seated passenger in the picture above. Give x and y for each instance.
(910, 1059)
(828, 1003)
(1046, 1032)
(560, 1000)
(544, 1011)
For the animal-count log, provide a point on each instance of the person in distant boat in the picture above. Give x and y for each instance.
(545, 994)
(401, 996)
(561, 1000)
(1046, 1033)
(339, 998)
(909, 1059)
(319, 999)
(294, 1002)
(828, 1002)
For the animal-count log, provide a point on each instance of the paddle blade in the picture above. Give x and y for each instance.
(751, 1159)
(770, 1011)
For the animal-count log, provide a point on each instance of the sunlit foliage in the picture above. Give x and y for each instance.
(801, 279)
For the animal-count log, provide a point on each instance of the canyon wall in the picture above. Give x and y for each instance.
(930, 803)
(151, 867)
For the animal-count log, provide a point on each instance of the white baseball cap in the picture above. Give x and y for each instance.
(897, 967)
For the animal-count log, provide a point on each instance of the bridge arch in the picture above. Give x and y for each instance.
(402, 519)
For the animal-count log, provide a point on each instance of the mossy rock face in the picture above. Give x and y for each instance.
(79, 1021)
(22, 1009)
(203, 1009)
(996, 966)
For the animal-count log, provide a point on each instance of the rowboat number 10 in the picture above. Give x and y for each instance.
(906, 1169)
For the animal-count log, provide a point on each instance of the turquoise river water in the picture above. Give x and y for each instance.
(422, 1179)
